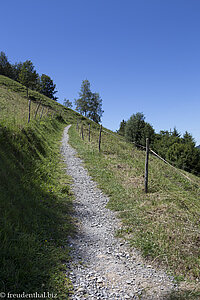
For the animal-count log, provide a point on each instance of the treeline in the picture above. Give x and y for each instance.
(25, 73)
(180, 151)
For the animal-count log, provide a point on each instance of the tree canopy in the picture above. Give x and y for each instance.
(47, 87)
(5, 66)
(122, 126)
(180, 151)
(67, 103)
(137, 130)
(89, 104)
(85, 94)
(28, 75)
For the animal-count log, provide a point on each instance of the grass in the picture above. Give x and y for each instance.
(36, 201)
(35, 196)
(35, 206)
(14, 104)
(165, 223)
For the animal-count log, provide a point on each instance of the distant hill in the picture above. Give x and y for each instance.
(198, 147)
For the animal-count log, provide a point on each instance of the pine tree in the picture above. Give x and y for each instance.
(5, 66)
(122, 126)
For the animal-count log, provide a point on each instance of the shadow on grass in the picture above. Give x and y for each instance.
(35, 208)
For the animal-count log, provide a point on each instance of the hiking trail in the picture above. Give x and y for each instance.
(103, 266)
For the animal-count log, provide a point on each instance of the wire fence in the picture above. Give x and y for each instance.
(147, 149)
(158, 156)
(21, 114)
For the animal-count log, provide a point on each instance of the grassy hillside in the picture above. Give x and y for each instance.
(14, 104)
(35, 198)
(165, 223)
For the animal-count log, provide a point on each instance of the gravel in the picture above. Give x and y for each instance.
(103, 266)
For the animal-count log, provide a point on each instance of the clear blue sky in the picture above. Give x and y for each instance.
(140, 55)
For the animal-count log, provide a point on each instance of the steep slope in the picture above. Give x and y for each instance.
(35, 197)
(14, 103)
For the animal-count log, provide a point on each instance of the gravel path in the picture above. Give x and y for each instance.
(103, 266)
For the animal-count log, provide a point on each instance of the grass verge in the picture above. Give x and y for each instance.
(35, 205)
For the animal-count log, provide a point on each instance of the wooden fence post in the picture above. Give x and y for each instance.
(89, 134)
(146, 166)
(82, 132)
(100, 138)
(29, 110)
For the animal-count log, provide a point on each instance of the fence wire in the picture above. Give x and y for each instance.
(154, 153)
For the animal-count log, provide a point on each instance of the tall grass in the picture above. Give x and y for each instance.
(35, 202)
(35, 197)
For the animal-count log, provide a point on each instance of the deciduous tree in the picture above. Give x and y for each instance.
(82, 103)
(47, 86)
(28, 75)
(95, 108)
(137, 130)
(67, 103)
(89, 104)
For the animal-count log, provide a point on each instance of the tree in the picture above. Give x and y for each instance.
(188, 139)
(137, 130)
(95, 108)
(185, 156)
(122, 126)
(89, 104)
(82, 103)
(148, 132)
(164, 140)
(47, 87)
(27, 75)
(5, 66)
(67, 103)
(175, 133)
(180, 151)
(16, 70)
